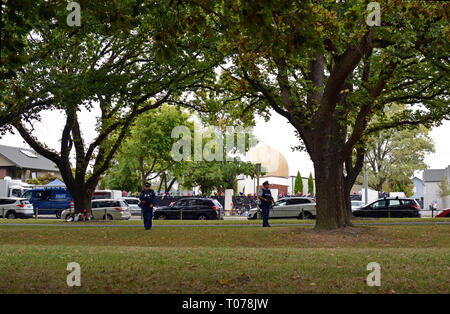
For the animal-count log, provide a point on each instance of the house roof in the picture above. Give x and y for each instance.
(27, 158)
(433, 175)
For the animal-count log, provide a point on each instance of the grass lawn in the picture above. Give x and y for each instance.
(413, 259)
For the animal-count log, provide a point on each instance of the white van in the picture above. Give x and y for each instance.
(107, 194)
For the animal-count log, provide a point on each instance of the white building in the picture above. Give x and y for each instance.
(431, 180)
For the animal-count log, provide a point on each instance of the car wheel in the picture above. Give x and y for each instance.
(108, 217)
(202, 217)
(306, 215)
(58, 214)
(11, 215)
(161, 217)
(405, 216)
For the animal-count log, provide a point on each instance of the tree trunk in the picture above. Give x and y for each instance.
(171, 184)
(141, 170)
(352, 172)
(380, 185)
(348, 203)
(82, 199)
(331, 208)
(161, 182)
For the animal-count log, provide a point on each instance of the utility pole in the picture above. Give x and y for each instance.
(258, 171)
(366, 188)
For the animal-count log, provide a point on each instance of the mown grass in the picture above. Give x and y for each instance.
(38, 269)
(413, 259)
(406, 236)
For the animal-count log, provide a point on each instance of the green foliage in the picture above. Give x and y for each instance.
(126, 58)
(43, 180)
(310, 184)
(298, 185)
(394, 155)
(215, 174)
(399, 186)
(146, 153)
(444, 187)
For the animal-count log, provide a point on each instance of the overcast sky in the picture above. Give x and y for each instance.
(277, 133)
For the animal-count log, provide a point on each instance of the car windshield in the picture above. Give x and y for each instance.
(123, 204)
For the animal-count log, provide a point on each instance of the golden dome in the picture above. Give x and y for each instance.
(271, 160)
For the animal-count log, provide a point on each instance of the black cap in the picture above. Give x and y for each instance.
(147, 184)
(265, 182)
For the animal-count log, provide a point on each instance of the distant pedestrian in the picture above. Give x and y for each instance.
(147, 202)
(266, 199)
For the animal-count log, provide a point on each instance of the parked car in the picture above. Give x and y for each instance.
(191, 208)
(49, 200)
(133, 203)
(444, 213)
(292, 207)
(357, 205)
(390, 207)
(108, 209)
(15, 207)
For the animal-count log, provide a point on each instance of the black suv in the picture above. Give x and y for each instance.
(191, 208)
(390, 207)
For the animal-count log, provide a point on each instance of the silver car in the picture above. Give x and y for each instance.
(108, 209)
(292, 207)
(133, 203)
(15, 207)
(357, 205)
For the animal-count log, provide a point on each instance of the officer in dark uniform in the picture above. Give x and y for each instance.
(147, 201)
(266, 199)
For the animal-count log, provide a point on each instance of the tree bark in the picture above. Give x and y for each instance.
(331, 208)
(352, 172)
(141, 170)
(171, 184)
(82, 199)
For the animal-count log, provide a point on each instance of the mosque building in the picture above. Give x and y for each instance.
(275, 169)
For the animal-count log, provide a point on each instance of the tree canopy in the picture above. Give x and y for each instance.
(315, 62)
(393, 155)
(125, 71)
(319, 65)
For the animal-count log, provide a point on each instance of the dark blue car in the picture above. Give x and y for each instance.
(49, 200)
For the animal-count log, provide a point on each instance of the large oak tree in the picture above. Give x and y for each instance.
(125, 71)
(319, 65)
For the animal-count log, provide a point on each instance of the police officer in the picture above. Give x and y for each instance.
(147, 201)
(266, 199)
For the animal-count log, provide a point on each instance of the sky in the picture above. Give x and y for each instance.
(277, 133)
